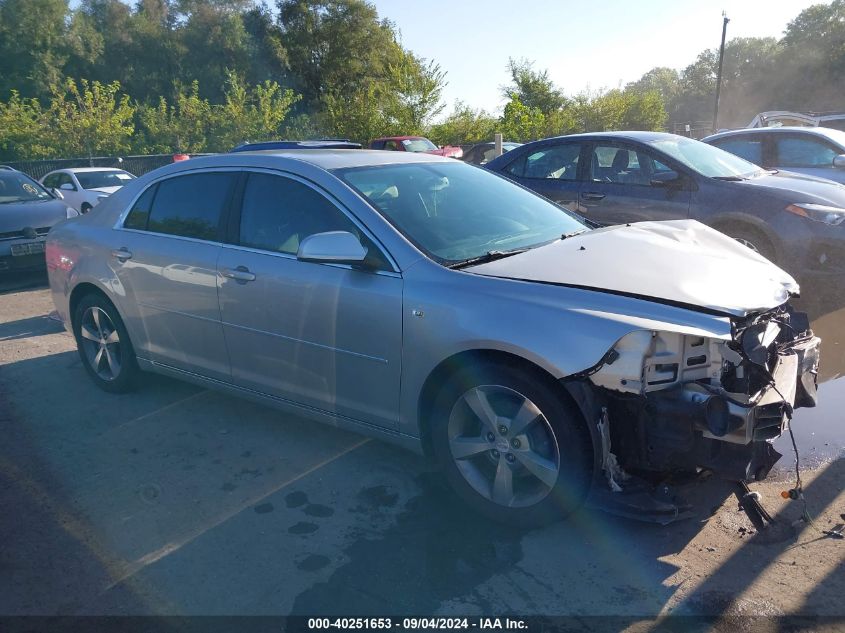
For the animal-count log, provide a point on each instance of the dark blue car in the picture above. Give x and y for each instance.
(623, 177)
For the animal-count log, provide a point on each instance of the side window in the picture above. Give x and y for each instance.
(559, 162)
(391, 145)
(622, 166)
(51, 181)
(377, 145)
(749, 149)
(140, 213)
(278, 213)
(66, 179)
(802, 152)
(191, 205)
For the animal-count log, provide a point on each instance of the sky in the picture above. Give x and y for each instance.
(583, 44)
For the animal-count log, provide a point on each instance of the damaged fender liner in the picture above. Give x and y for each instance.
(663, 401)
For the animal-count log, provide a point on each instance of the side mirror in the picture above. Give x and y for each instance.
(57, 193)
(67, 186)
(839, 161)
(665, 179)
(332, 247)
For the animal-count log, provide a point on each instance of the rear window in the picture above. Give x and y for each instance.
(187, 206)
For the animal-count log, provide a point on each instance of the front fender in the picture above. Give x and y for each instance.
(562, 330)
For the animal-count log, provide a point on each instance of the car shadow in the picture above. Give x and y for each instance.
(15, 282)
(29, 327)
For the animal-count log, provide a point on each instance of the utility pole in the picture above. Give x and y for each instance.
(725, 21)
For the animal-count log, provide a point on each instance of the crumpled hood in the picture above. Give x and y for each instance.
(679, 261)
(108, 190)
(19, 215)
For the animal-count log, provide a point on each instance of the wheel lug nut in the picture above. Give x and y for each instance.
(495, 453)
(509, 457)
(491, 437)
(503, 430)
(516, 443)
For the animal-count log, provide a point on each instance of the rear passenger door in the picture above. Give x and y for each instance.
(551, 170)
(327, 336)
(166, 259)
(618, 189)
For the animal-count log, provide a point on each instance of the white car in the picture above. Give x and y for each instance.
(83, 187)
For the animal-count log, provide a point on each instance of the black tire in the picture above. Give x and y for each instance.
(118, 368)
(557, 437)
(85, 208)
(754, 239)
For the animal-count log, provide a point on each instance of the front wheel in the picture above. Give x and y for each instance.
(103, 344)
(511, 445)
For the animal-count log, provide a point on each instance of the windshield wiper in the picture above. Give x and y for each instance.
(573, 233)
(489, 256)
(729, 178)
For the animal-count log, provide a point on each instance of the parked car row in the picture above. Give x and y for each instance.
(791, 219)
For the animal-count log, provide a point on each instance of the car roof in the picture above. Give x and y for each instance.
(82, 170)
(836, 136)
(634, 135)
(327, 159)
(333, 143)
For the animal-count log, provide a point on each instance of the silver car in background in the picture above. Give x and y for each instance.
(445, 309)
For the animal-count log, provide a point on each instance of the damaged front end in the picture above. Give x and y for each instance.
(669, 401)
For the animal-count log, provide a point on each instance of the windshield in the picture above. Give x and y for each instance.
(705, 159)
(418, 145)
(97, 179)
(456, 212)
(18, 187)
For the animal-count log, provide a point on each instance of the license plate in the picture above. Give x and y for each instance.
(27, 248)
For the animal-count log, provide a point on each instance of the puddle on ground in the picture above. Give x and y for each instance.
(820, 431)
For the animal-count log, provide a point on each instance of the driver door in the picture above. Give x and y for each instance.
(618, 188)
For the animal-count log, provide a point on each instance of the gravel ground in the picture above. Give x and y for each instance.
(176, 500)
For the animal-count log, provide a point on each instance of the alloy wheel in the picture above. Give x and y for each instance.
(101, 343)
(503, 446)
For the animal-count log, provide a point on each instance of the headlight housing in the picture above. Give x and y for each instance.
(71, 213)
(834, 216)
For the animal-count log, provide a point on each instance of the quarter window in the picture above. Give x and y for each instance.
(278, 213)
(802, 152)
(191, 205)
(140, 213)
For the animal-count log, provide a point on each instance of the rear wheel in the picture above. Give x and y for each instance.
(511, 445)
(103, 344)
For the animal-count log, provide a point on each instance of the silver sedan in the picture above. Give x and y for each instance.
(445, 309)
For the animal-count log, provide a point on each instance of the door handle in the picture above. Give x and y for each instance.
(121, 254)
(240, 274)
(592, 195)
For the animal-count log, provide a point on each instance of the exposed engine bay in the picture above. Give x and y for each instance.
(675, 402)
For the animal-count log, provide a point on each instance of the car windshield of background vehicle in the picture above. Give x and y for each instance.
(16, 187)
(707, 160)
(418, 145)
(97, 179)
(457, 212)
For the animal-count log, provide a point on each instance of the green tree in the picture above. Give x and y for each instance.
(250, 114)
(90, 119)
(464, 125)
(180, 127)
(413, 95)
(22, 126)
(534, 89)
(522, 123)
(33, 48)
